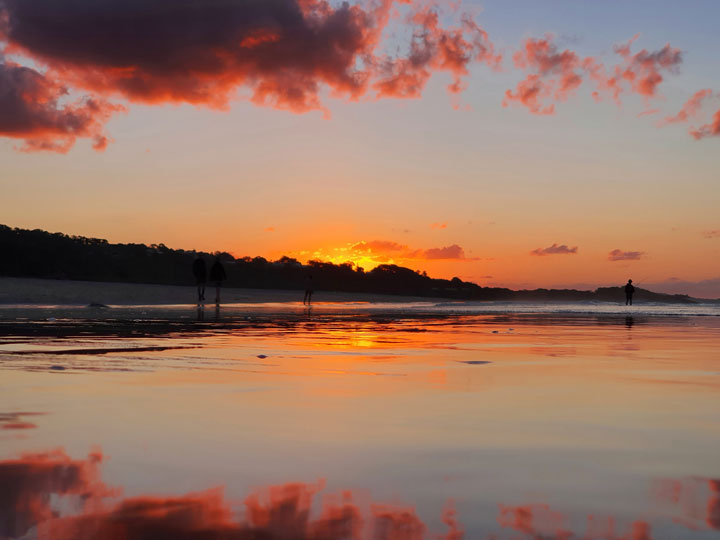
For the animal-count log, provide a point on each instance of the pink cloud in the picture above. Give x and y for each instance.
(434, 48)
(712, 234)
(690, 108)
(619, 255)
(449, 252)
(284, 53)
(442, 225)
(555, 249)
(381, 246)
(395, 250)
(708, 130)
(555, 75)
(644, 70)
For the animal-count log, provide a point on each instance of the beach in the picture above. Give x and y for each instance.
(359, 270)
(358, 420)
(14, 291)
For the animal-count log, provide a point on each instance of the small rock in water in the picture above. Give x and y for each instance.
(494, 331)
(475, 362)
(262, 356)
(97, 305)
(51, 319)
(57, 368)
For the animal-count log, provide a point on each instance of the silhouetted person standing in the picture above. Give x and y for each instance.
(308, 290)
(629, 290)
(217, 276)
(200, 273)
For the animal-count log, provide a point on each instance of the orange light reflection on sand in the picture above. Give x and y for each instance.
(613, 390)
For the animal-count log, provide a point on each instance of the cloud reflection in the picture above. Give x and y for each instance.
(540, 522)
(696, 498)
(14, 420)
(32, 486)
(52, 496)
(27, 484)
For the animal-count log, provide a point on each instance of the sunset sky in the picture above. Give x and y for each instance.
(520, 143)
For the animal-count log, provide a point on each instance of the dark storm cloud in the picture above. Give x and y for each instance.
(30, 110)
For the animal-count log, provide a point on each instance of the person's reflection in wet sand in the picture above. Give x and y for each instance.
(217, 276)
(200, 274)
(200, 313)
(217, 312)
(629, 322)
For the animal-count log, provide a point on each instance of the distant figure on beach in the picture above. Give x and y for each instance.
(629, 290)
(217, 276)
(308, 290)
(200, 273)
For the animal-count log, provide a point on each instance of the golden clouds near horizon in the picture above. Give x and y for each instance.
(371, 254)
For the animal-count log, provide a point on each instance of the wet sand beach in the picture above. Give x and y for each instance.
(14, 291)
(371, 421)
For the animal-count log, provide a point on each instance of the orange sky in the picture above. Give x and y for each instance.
(596, 153)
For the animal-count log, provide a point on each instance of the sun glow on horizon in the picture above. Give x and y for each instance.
(358, 254)
(371, 254)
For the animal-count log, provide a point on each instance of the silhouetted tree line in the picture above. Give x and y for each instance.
(40, 254)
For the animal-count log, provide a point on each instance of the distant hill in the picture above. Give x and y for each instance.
(40, 254)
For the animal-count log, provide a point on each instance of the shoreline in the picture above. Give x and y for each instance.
(68, 293)
(27, 292)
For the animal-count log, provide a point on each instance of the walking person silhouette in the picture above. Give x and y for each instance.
(217, 276)
(308, 290)
(629, 290)
(200, 272)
